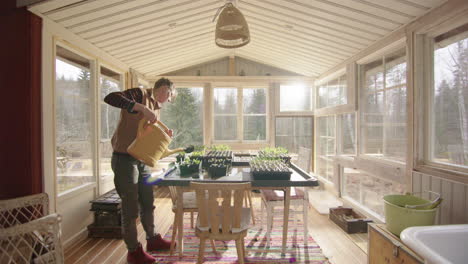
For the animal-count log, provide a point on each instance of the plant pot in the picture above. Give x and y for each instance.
(217, 171)
(187, 170)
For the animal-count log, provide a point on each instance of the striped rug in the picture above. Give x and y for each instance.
(255, 242)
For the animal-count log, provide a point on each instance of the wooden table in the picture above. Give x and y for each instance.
(238, 174)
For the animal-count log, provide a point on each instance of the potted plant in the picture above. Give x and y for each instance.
(218, 167)
(189, 166)
(180, 157)
(197, 155)
(275, 154)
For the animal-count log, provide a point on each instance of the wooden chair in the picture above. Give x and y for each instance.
(272, 199)
(189, 206)
(221, 215)
(299, 197)
(28, 233)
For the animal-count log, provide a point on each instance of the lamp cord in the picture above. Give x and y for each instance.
(219, 10)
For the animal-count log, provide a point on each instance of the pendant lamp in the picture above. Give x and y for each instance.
(232, 30)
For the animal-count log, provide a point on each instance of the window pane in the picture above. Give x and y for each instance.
(73, 121)
(322, 96)
(383, 111)
(109, 82)
(343, 86)
(254, 100)
(294, 132)
(395, 128)
(225, 100)
(368, 189)
(348, 134)
(225, 127)
(254, 127)
(449, 120)
(326, 147)
(254, 110)
(333, 92)
(185, 117)
(352, 184)
(295, 98)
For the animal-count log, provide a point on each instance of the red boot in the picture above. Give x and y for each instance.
(139, 256)
(157, 243)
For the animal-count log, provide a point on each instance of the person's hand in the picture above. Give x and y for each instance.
(148, 114)
(170, 132)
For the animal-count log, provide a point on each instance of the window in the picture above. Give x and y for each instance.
(244, 121)
(347, 132)
(383, 107)
(109, 81)
(73, 90)
(225, 114)
(325, 147)
(295, 98)
(449, 108)
(185, 117)
(294, 132)
(254, 113)
(333, 92)
(368, 190)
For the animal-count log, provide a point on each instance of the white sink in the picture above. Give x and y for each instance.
(438, 244)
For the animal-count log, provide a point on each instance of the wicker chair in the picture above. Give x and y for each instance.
(28, 233)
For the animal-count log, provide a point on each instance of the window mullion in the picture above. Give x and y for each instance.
(240, 112)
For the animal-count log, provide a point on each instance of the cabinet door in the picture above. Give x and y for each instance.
(383, 248)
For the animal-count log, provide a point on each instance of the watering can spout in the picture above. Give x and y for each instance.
(169, 152)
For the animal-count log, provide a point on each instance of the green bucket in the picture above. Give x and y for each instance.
(398, 216)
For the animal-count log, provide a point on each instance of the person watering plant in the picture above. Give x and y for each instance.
(129, 173)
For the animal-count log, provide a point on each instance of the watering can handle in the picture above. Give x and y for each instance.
(429, 204)
(141, 126)
(144, 123)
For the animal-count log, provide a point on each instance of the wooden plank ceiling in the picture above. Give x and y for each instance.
(303, 36)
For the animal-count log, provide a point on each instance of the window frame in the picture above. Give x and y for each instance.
(240, 114)
(351, 83)
(95, 111)
(277, 91)
(340, 135)
(99, 103)
(205, 98)
(324, 158)
(424, 63)
(381, 54)
(92, 104)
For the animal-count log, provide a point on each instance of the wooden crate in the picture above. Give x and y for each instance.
(107, 216)
(385, 247)
(104, 231)
(349, 220)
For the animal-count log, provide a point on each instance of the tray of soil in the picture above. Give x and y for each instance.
(190, 167)
(270, 169)
(218, 168)
(225, 155)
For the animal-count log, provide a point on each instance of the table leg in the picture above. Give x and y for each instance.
(287, 198)
(180, 220)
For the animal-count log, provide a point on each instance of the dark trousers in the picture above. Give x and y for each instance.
(129, 174)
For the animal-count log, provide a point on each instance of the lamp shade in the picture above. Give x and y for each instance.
(232, 30)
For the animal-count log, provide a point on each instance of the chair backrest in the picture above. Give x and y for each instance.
(304, 158)
(23, 209)
(219, 206)
(173, 194)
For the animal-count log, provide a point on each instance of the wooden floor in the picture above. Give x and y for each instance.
(340, 247)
